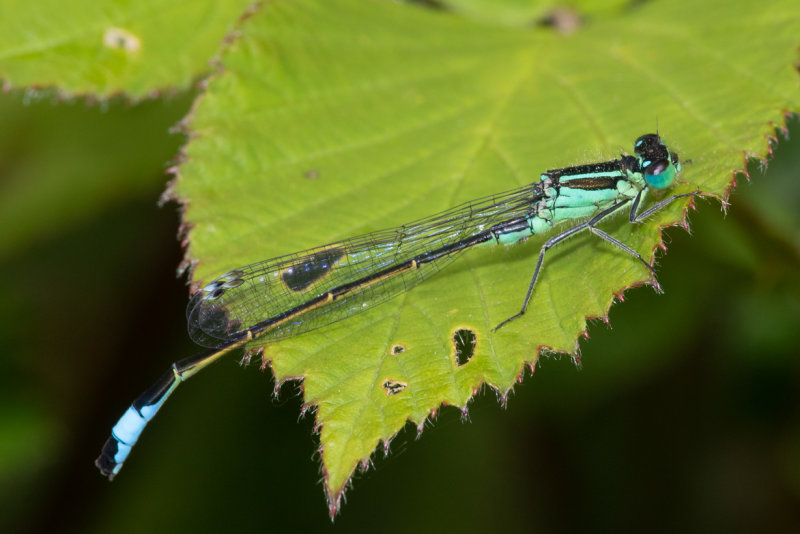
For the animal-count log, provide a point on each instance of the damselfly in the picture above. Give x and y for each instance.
(293, 294)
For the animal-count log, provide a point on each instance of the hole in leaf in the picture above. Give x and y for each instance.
(397, 349)
(121, 39)
(562, 20)
(464, 340)
(393, 387)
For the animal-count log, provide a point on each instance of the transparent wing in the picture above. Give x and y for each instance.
(282, 288)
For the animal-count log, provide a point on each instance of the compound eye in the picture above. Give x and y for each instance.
(659, 174)
(657, 167)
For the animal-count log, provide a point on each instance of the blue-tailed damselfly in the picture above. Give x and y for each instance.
(293, 294)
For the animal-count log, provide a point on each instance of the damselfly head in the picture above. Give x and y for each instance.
(658, 164)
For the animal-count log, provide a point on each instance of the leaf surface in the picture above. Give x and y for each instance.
(333, 119)
(102, 48)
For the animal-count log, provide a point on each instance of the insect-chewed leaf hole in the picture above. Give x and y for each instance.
(393, 387)
(563, 20)
(121, 39)
(397, 349)
(464, 340)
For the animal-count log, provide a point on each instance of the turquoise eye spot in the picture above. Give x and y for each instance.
(662, 180)
(646, 163)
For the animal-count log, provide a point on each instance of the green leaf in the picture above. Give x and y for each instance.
(337, 118)
(83, 46)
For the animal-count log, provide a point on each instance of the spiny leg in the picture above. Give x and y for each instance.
(622, 246)
(550, 242)
(559, 238)
(632, 217)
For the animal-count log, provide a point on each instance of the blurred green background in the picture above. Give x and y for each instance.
(685, 414)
